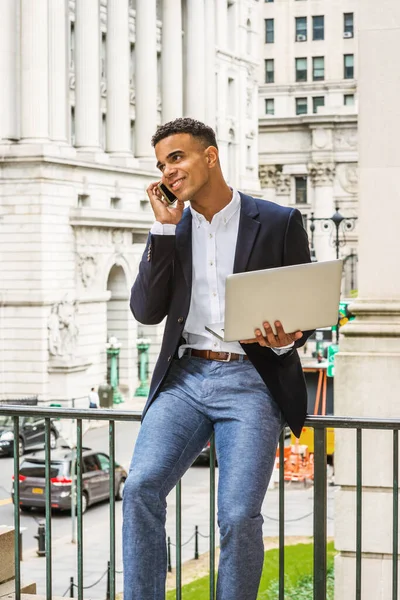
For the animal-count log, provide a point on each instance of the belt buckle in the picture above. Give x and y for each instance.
(225, 359)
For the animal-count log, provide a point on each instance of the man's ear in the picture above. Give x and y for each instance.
(211, 156)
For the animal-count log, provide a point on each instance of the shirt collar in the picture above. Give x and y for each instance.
(223, 215)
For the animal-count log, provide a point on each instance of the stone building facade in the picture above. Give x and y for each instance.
(308, 119)
(84, 85)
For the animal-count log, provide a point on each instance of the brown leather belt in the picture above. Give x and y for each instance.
(220, 356)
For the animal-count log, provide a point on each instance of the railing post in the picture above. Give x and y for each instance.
(282, 516)
(17, 518)
(320, 513)
(71, 587)
(179, 541)
(169, 555)
(196, 542)
(212, 518)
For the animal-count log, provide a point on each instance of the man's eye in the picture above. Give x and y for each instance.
(177, 156)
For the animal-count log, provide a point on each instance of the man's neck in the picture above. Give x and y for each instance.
(209, 203)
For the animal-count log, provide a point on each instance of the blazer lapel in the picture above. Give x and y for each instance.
(184, 245)
(247, 234)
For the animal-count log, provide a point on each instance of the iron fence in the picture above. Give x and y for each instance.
(320, 425)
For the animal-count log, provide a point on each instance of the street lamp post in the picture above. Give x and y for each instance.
(342, 225)
(113, 349)
(143, 346)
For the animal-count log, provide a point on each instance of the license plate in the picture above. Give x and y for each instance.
(37, 490)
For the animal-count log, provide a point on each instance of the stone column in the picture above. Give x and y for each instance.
(210, 55)
(368, 365)
(146, 77)
(195, 61)
(172, 61)
(87, 75)
(58, 71)
(34, 71)
(8, 70)
(118, 56)
(322, 176)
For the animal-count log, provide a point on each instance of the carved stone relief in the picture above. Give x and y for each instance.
(345, 139)
(321, 173)
(87, 268)
(63, 330)
(348, 177)
(322, 138)
(271, 176)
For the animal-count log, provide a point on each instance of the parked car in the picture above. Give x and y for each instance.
(204, 456)
(31, 434)
(95, 479)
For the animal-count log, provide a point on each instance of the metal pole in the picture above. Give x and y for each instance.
(196, 542)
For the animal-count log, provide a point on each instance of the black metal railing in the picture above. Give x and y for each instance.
(320, 425)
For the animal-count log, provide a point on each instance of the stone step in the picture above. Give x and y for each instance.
(8, 589)
(7, 562)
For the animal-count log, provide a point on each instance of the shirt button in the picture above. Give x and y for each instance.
(211, 263)
(180, 320)
(169, 358)
(210, 235)
(214, 294)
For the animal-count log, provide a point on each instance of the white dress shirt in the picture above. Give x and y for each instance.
(213, 253)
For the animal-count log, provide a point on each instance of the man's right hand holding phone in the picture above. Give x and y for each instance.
(164, 213)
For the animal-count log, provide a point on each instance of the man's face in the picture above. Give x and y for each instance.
(182, 160)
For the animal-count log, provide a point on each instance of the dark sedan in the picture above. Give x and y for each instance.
(95, 479)
(31, 434)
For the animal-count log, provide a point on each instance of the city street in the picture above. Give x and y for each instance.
(195, 511)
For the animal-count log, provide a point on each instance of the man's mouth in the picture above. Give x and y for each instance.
(176, 184)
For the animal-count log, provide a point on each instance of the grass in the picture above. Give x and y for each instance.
(298, 576)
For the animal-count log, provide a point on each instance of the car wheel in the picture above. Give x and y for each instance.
(53, 440)
(21, 447)
(120, 490)
(24, 509)
(85, 502)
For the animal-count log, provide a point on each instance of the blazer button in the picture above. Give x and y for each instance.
(180, 320)
(169, 358)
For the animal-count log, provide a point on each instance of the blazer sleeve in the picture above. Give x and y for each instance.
(151, 292)
(296, 250)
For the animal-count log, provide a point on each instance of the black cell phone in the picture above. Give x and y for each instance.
(167, 194)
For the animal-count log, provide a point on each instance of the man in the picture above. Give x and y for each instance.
(243, 392)
(93, 398)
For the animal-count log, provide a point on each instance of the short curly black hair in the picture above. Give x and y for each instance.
(197, 129)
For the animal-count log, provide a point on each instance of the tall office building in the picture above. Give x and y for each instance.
(308, 118)
(84, 85)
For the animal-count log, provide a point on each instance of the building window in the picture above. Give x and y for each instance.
(132, 136)
(318, 28)
(103, 56)
(269, 0)
(318, 68)
(349, 66)
(301, 190)
(72, 47)
(269, 106)
(249, 37)
(348, 30)
(301, 106)
(349, 99)
(301, 69)
(103, 131)
(318, 101)
(72, 131)
(132, 65)
(301, 29)
(269, 70)
(269, 31)
(231, 97)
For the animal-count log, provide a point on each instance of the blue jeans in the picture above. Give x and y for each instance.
(198, 397)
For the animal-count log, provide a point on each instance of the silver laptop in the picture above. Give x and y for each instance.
(302, 297)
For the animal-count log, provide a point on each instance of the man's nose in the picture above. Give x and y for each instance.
(168, 171)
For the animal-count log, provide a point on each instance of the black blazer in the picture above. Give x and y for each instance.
(269, 235)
